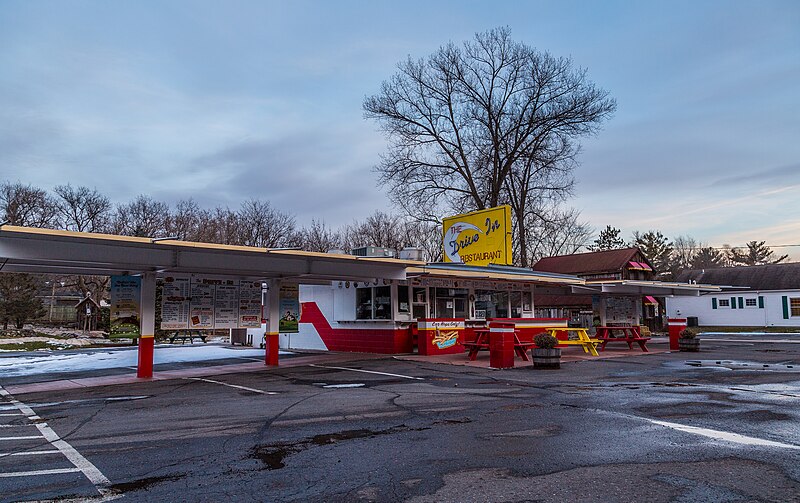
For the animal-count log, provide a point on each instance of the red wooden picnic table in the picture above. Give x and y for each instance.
(482, 343)
(630, 334)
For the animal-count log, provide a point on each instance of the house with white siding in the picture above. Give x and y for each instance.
(757, 296)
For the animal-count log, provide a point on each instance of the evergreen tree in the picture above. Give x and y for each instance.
(607, 240)
(757, 253)
(708, 258)
(18, 299)
(658, 251)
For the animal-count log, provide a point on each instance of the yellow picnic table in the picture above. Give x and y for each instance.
(589, 345)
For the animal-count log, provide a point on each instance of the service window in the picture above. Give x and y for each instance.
(492, 304)
(403, 304)
(794, 305)
(363, 303)
(383, 302)
(450, 303)
(374, 303)
(419, 297)
(516, 304)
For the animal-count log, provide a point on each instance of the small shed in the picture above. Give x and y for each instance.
(88, 314)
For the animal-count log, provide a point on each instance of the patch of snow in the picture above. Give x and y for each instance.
(54, 362)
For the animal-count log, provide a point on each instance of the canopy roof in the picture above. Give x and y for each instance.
(451, 270)
(642, 287)
(33, 250)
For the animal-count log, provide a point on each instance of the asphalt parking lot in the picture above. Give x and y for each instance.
(711, 426)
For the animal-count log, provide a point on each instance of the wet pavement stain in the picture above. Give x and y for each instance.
(764, 415)
(273, 455)
(138, 485)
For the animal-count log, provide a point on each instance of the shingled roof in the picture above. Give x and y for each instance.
(588, 263)
(757, 277)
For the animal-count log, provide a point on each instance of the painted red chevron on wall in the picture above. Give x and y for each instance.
(357, 340)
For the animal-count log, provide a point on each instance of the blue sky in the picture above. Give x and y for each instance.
(222, 101)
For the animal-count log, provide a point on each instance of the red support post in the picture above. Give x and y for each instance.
(271, 345)
(144, 369)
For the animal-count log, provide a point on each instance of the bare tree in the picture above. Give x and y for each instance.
(143, 217)
(27, 205)
(379, 229)
(83, 209)
(561, 233)
(684, 251)
(185, 221)
(318, 237)
(262, 225)
(480, 125)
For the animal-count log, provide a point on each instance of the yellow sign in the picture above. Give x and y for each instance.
(479, 238)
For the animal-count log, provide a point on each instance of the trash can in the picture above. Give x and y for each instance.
(501, 345)
(691, 321)
(238, 336)
(675, 327)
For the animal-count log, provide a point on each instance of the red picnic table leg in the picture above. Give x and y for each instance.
(520, 349)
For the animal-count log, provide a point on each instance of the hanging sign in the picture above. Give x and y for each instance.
(289, 304)
(478, 238)
(125, 316)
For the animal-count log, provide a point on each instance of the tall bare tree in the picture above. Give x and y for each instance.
(559, 233)
(262, 225)
(27, 205)
(83, 209)
(318, 237)
(143, 217)
(483, 124)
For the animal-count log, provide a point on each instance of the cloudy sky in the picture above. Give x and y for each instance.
(223, 101)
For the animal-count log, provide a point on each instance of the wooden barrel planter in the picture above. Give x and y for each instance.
(546, 358)
(692, 345)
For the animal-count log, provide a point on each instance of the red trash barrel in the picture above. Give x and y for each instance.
(271, 345)
(675, 327)
(501, 345)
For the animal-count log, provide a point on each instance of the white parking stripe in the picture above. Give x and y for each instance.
(38, 472)
(231, 385)
(368, 372)
(20, 438)
(29, 453)
(11, 414)
(82, 464)
(724, 435)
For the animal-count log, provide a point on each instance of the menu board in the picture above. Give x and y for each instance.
(201, 310)
(621, 310)
(175, 303)
(226, 305)
(206, 303)
(250, 304)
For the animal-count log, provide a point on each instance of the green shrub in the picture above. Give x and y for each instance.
(687, 333)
